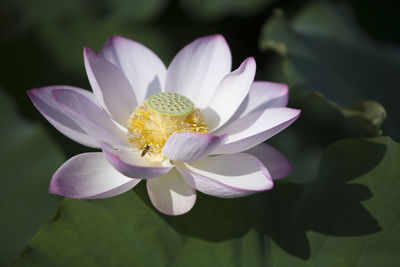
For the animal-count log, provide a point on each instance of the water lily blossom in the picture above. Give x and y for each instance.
(196, 125)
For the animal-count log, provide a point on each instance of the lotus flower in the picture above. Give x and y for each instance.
(195, 125)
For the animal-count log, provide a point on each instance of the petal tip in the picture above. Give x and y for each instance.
(108, 43)
(270, 182)
(87, 52)
(169, 213)
(250, 60)
(218, 38)
(289, 170)
(31, 93)
(112, 39)
(53, 186)
(34, 91)
(296, 113)
(285, 87)
(172, 213)
(117, 37)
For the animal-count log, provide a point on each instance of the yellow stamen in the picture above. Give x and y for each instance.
(159, 117)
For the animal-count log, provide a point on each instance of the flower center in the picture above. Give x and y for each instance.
(160, 116)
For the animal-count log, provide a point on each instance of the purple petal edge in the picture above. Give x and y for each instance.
(130, 170)
(274, 160)
(57, 118)
(187, 175)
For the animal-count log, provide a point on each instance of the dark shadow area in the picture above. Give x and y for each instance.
(331, 205)
(349, 70)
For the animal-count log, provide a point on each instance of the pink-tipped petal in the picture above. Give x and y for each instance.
(144, 69)
(91, 118)
(198, 68)
(170, 194)
(227, 176)
(110, 86)
(131, 164)
(48, 107)
(263, 95)
(230, 94)
(276, 163)
(191, 146)
(255, 128)
(87, 176)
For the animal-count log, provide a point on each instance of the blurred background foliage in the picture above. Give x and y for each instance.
(339, 207)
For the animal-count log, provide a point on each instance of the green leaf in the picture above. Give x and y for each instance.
(370, 115)
(347, 215)
(323, 49)
(321, 123)
(28, 158)
(217, 9)
(350, 210)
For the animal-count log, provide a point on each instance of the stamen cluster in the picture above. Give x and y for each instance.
(150, 127)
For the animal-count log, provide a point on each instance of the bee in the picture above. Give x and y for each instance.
(145, 150)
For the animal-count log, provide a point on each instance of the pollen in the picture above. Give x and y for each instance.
(160, 116)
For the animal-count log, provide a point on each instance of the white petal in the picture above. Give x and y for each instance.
(276, 163)
(170, 194)
(190, 146)
(143, 68)
(198, 68)
(43, 100)
(230, 94)
(131, 164)
(89, 175)
(93, 120)
(110, 86)
(227, 175)
(263, 95)
(255, 128)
